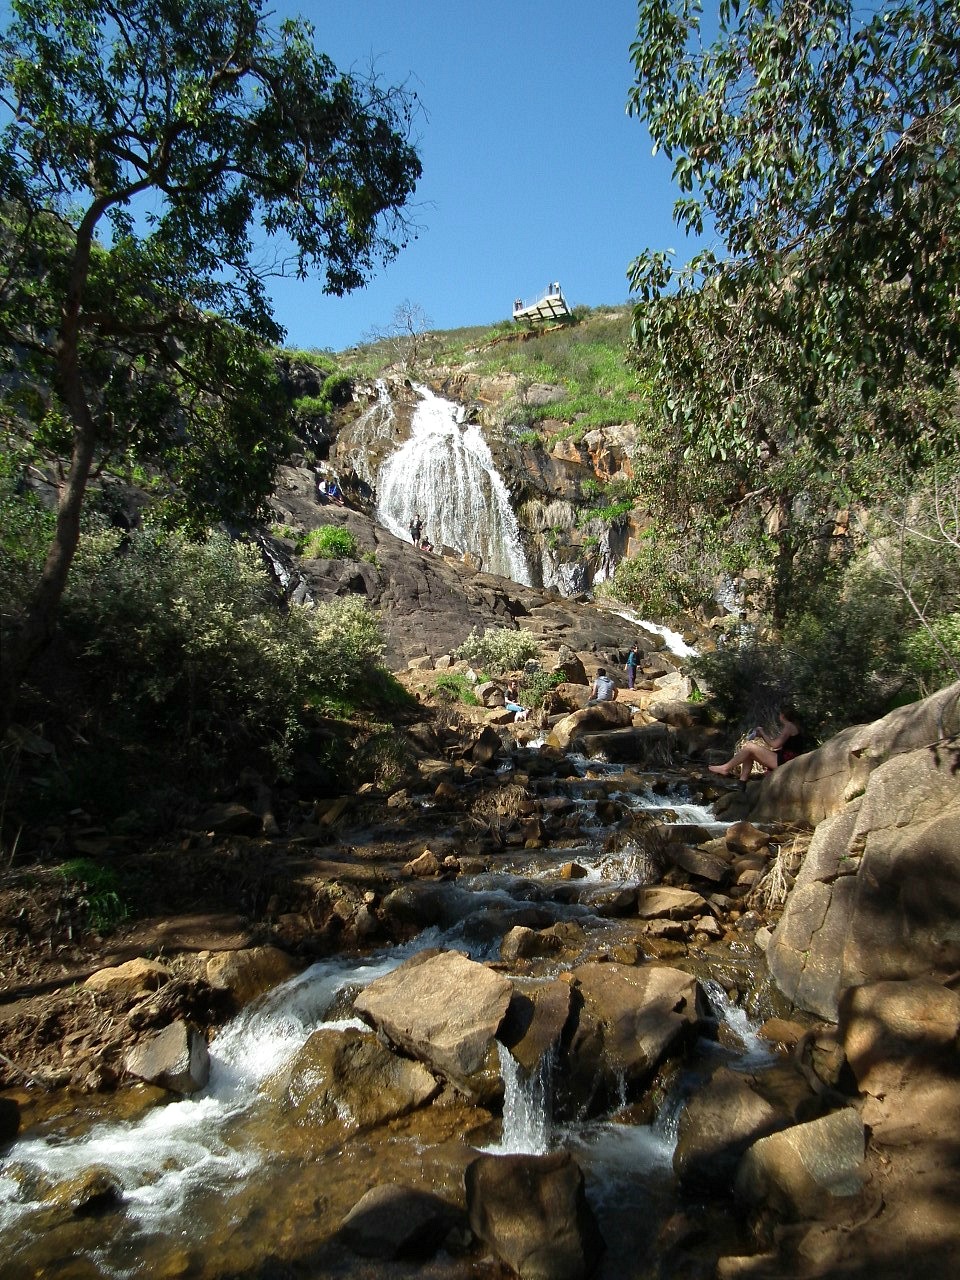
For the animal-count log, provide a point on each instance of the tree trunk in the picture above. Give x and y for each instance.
(34, 630)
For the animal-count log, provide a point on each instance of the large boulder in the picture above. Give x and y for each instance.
(393, 1221)
(601, 715)
(532, 1213)
(627, 1021)
(353, 1079)
(444, 1010)
(893, 1032)
(820, 783)
(250, 972)
(801, 1172)
(717, 1126)
(878, 894)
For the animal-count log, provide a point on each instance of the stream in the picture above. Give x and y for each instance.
(225, 1183)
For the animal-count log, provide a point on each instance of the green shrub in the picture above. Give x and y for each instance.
(535, 687)
(188, 640)
(498, 649)
(453, 686)
(331, 542)
(933, 652)
(662, 580)
(99, 893)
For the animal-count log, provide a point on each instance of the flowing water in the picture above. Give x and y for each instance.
(444, 473)
(212, 1185)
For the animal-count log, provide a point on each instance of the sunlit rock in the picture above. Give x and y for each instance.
(176, 1059)
(444, 1010)
(800, 1172)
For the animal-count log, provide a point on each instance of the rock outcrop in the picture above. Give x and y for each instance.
(878, 894)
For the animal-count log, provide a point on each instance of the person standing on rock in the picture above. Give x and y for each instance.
(632, 667)
(416, 529)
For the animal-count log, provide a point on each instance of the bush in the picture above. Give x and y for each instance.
(453, 686)
(331, 542)
(662, 580)
(933, 653)
(498, 649)
(187, 639)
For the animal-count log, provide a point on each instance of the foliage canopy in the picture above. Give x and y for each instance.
(822, 143)
(145, 143)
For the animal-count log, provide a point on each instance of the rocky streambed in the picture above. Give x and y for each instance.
(536, 1037)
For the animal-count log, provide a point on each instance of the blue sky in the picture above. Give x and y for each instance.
(532, 171)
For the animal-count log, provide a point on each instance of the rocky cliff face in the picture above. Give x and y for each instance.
(549, 480)
(429, 603)
(878, 895)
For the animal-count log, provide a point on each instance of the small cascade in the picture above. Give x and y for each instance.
(444, 473)
(526, 1106)
(374, 430)
(756, 1052)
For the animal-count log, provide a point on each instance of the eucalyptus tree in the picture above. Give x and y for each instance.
(820, 141)
(160, 160)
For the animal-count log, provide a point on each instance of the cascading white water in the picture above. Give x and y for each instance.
(526, 1105)
(377, 423)
(444, 473)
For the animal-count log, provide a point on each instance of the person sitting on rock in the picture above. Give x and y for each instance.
(765, 750)
(603, 689)
(512, 701)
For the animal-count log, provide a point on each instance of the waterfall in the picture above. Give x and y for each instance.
(526, 1105)
(374, 426)
(445, 474)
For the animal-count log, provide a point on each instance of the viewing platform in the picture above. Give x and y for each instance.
(550, 305)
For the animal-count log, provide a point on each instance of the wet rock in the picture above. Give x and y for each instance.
(249, 973)
(393, 1221)
(444, 1010)
(572, 871)
(717, 1126)
(176, 1059)
(535, 1021)
(614, 904)
(352, 1078)
(800, 1172)
(9, 1119)
(628, 1020)
(522, 943)
(892, 1031)
(532, 1213)
(130, 979)
(92, 1192)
